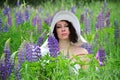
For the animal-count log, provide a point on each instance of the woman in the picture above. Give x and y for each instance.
(66, 29)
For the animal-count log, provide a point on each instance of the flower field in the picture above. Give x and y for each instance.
(24, 28)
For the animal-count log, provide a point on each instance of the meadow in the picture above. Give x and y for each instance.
(25, 27)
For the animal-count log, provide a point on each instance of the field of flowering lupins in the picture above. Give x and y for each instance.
(23, 29)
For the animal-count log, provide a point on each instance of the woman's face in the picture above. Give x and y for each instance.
(62, 30)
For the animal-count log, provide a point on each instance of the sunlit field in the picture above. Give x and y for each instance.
(24, 28)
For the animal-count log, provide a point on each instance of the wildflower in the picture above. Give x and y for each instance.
(19, 18)
(27, 14)
(29, 52)
(73, 10)
(40, 40)
(89, 48)
(101, 56)
(5, 28)
(17, 68)
(9, 19)
(34, 21)
(6, 10)
(39, 24)
(87, 25)
(100, 21)
(53, 46)
(21, 53)
(36, 52)
(48, 20)
(82, 18)
(18, 3)
(116, 30)
(0, 24)
(6, 66)
(107, 19)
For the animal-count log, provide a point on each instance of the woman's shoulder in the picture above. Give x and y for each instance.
(80, 50)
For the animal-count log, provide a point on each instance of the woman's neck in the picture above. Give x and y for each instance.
(64, 45)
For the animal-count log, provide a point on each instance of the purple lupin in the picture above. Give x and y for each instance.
(36, 52)
(107, 18)
(9, 19)
(27, 14)
(19, 18)
(22, 52)
(48, 20)
(87, 22)
(39, 24)
(53, 46)
(73, 9)
(100, 21)
(0, 24)
(40, 41)
(29, 52)
(6, 10)
(6, 66)
(81, 18)
(101, 56)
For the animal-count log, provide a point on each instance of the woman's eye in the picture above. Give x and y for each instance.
(58, 26)
(66, 26)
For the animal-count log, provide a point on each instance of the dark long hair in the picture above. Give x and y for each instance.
(73, 35)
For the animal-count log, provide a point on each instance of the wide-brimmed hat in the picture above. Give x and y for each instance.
(69, 16)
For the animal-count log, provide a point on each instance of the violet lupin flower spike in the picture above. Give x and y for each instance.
(6, 66)
(101, 56)
(21, 53)
(36, 52)
(40, 41)
(53, 46)
(27, 14)
(48, 20)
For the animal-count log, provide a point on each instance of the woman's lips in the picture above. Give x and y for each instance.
(64, 34)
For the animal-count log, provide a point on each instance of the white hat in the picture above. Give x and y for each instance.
(69, 16)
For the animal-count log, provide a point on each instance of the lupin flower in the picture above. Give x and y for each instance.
(17, 68)
(18, 3)
(73, 9)
(53, 46)
(100, 21)
(6, 66)
(5, 28)
(101, 56)
(39, 24)
(34, 19)
(87, 22)
(0, 24)
(36, 52)
(6, 10)
(19, 18)
(48, 20)
(27, 14)
(29, 52)
(88, 47)
(107, 19)
(40, 41)
(87, 25)
(9, 19)
(116, 31)
(81, 18)
(22, 52)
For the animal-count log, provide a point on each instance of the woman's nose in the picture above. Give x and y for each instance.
(63, 29)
